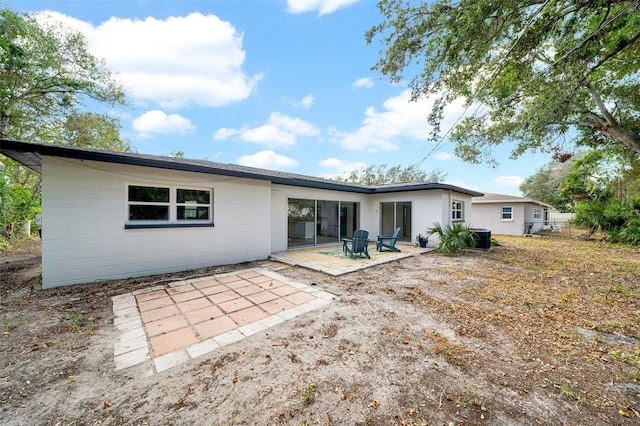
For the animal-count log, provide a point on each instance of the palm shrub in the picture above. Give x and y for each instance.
(628, 234)
(590, 215)
(618, 212)
(618, 219)
(453, 238)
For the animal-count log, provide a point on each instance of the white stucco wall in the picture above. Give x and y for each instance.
(489, 216)
(84, 212)
(529, 210)
(429, 207)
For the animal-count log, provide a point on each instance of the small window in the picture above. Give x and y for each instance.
(457, 210)
(148, 203)
(537, 214)
(192, 204)
(507, 213)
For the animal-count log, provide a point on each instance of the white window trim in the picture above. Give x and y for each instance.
(502, 219)
(173, 220)
(461, 210)
(539, 215)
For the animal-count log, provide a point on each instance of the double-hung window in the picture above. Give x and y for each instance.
(537, 213)
(193, 204)
(507, 213)
(148, 203)
(457, 210)
(167, 206)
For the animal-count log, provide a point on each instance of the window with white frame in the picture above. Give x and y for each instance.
(457, 210)
(507, 213)
(166, 205)
(537, 213)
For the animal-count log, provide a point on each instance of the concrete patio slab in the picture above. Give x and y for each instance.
(331, 260)
(166, 326)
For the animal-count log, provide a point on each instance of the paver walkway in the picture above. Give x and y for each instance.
(164, 326)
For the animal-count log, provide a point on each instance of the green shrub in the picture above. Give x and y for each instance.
(453, 238)
(17, 205)
(629, 233)
(618, 219)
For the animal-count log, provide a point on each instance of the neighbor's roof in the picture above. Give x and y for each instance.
(30, 154)
(502, 198)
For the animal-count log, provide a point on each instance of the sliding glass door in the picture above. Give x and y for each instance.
(394, 215)
(302, 217)
(320, 222)
(349, 215)
(327, 221)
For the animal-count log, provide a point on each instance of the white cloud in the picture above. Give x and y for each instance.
(225, 133)
(364, 83)
(444, 156)
(158, 122)
(306, 102)
(341, 167)
(267, 160)
(508, 181)
(400, 118)
(322, 6)
(279, 131)
(175, 62)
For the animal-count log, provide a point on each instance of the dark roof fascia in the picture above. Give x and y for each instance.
(521, 200)
(30, 154)
(422, 187)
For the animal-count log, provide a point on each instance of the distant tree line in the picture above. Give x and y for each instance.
(602, 188)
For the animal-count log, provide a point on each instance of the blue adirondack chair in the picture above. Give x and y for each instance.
(357, 245)
(388, 241)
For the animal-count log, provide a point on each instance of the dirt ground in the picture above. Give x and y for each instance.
(537, 331)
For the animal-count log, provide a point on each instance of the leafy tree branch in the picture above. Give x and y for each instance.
(537, 75)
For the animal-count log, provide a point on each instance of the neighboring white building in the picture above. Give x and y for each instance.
(509, 215)
(109, 215)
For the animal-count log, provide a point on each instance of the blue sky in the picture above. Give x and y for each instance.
(282, 85)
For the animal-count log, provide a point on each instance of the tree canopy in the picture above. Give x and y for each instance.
(46, 75)
(383, 174)
(94, 130)
(46, 72)
(544, 184)
(538, 75)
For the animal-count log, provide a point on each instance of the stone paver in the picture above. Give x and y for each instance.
(165, 326)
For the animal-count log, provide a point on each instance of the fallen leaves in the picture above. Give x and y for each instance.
(625, 412)
(629, 412)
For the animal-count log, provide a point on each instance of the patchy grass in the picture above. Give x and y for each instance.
(308, 394)
(79, 324)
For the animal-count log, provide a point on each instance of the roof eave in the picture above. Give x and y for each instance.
(30, 154)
